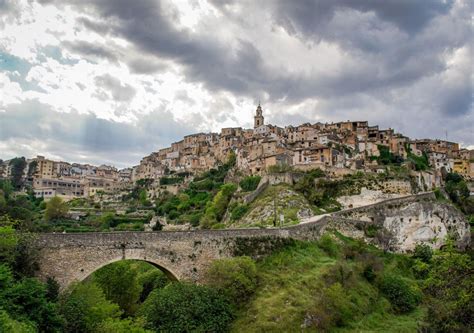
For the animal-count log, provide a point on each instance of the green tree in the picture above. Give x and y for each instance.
(186, 308)
(151, 280)
(8, 240)
(450, 291)
(120, 285)
(55, 209)
(85, 308)
(423, 252)
(9, 325)
(32, 168)
(18, 165)
(236, 278)
(7, 187)
(121, 326)
(27, 301)
(403, 295)
(217, 207)
(250, 183)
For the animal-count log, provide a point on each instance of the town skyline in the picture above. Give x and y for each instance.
(128, 166)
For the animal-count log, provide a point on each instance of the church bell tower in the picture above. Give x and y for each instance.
(258, 119)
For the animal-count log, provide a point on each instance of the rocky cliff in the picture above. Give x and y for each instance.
(400, 224)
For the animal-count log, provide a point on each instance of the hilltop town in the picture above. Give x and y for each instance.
(337, 148)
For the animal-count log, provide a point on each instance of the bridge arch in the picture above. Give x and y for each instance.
(183, 256)
(155, 263)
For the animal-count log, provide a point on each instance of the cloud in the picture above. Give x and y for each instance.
(398, 63)
(87, 49)
(71, 135)
(120, 91)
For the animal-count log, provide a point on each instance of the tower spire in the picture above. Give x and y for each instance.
(258, 119)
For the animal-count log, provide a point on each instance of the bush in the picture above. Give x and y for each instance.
(329, 245)
(186, 308)
(121, 326)
(84, 308)
(235, 277)
(120, 285)
(420, 269)
(55, 209)
(450, 290)
(238, 212)
(250, 183)
(9, 325)
(216, 208)
(423, 252)
(332, 308)
(403, 296)
(27, 301)
(171, 180)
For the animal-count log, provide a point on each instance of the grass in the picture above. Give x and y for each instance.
(293, 282)
(285, 279)
(384, 321)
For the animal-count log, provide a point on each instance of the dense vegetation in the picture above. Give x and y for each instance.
(204, 202)
(339, 284)
(335, 284)
(458, 193)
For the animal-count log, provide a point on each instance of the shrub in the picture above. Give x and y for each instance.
(183, 307)
(332, 308)
(55, 209)
(403, 296)
(84, 308)
(369, 273)
(9, 325)
(216, 208)
(450, 291)
(329, 245)
(250, 183)
(420, 269)
(423, 252)
(121, 326)
(235, 277)
(371, 230)
(238, 212)
(340, 273)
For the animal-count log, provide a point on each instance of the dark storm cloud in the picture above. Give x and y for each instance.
(67, 134)
(308, 16)
(389, 49)
(120, 91)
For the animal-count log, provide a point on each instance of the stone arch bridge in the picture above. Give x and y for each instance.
(182, 255)
(185, 255)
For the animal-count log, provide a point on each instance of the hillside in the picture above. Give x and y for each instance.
(280, 201)
(341, 285)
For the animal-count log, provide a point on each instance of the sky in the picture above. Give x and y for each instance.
(112, 81)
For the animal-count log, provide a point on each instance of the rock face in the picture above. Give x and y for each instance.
(411, 221)
(366, 197)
